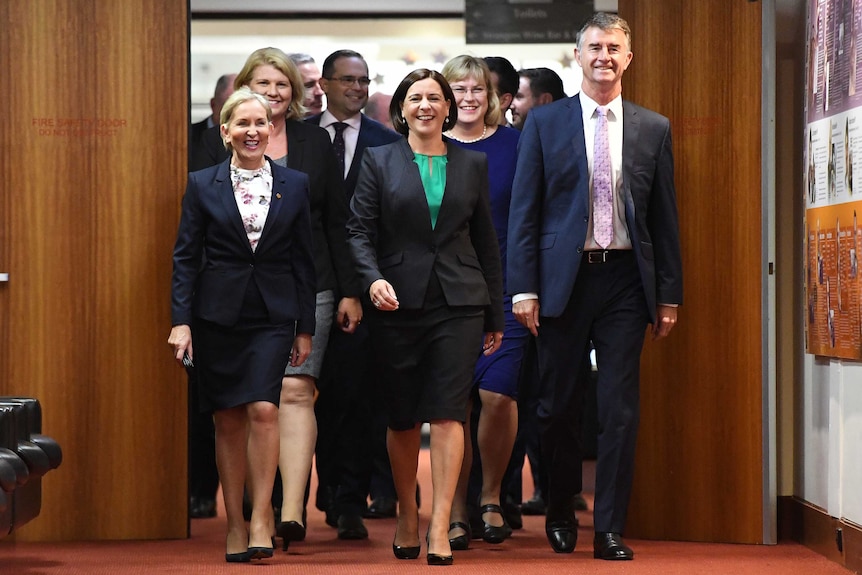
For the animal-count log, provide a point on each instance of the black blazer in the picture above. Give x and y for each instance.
(371, 134)
(391, 235)
(196, 130)
(211, 226)
(309, 150)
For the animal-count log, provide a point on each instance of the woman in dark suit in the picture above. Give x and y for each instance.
(307, 148)
(423, 239)
(250, 307)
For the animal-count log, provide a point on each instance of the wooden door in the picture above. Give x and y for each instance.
(699, 474)
(93, 139)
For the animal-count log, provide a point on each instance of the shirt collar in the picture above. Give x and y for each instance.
(327, 119)
(588, 105)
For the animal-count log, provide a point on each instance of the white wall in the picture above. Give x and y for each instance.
(829, 455)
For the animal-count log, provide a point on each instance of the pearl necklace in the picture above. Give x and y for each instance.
(484, 131)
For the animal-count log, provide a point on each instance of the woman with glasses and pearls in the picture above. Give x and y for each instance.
(250, 307)
(306, 148)
(495, 379)
(423, 239)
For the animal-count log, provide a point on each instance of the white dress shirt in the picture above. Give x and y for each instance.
(621, 240)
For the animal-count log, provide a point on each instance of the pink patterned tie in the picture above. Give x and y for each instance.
(603, 195)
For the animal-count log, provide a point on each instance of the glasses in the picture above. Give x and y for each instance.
(348, 81)
(461, 90)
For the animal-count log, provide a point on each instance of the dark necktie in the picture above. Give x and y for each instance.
(338, 144)
(603, 197)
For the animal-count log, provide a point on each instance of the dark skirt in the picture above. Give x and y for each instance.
(244, 362)
(500, 372)
(427, 357)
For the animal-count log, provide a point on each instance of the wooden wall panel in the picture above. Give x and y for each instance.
(699, 464)
(94, 165)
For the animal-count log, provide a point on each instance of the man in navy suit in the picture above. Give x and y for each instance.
(351, 425)
(581, 271)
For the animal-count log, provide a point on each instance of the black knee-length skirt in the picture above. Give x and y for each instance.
(242, 363)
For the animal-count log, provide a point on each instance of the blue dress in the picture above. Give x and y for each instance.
(499, 372)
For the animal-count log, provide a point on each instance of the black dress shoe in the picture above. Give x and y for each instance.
(381, 508)
(512, 515)
(351, 527)
(202, 507)
(562, 535)
(493, 533)
(330, 518)
(461, 542)
(610, 547)
(534, 506)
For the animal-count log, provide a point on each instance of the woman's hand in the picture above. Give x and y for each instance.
(493, 339)
(349, 314)
(383, 296)
(180, 341)
(301, 349)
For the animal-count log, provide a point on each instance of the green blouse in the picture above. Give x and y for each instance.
(433, 180)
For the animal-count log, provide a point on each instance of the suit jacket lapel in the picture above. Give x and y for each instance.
(631, 130)
(579, 146)
(411, 184)
(275, 203)
(228, 200)
(454, 167)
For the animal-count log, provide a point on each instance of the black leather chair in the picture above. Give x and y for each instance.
(13, 470)
(29, 454)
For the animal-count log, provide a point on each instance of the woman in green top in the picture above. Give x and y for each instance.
(427, 255)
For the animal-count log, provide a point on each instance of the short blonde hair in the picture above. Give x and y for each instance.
(281, 62)
(241, 96)
(463, 67)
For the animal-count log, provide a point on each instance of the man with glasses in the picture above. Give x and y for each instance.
(351, 425)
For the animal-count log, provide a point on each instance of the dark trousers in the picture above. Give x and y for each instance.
(351, 445)
(607, 307)
(203, 473)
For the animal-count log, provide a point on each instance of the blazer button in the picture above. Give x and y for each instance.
(251, 265)
(586, 218)
(580, 249)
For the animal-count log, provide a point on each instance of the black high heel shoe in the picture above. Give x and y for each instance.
(461, 542)
(405, 552)
(260, 552)
(493, 533)
(241, 557)
(434, 559)
(290, 531)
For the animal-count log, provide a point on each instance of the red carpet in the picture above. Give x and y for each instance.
(527, 553)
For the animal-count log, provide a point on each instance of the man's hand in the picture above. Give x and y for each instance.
(665, 320)
(526, 311)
